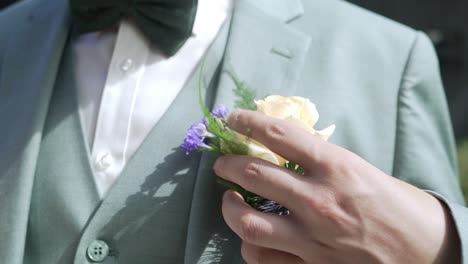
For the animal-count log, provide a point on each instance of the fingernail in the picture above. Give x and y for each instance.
(232, 195)
(226, 194)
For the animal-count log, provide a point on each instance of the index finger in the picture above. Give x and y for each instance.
(282, 137)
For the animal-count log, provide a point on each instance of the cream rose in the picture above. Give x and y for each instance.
(300, 111)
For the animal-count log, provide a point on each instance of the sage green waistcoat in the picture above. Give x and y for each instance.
(144, 217)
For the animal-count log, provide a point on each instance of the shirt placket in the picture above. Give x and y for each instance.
(114, 123)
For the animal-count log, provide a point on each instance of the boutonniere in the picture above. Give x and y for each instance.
(212, 134)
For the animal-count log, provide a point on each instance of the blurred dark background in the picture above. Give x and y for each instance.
(446, 23)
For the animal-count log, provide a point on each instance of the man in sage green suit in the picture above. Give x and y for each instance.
(378, 81)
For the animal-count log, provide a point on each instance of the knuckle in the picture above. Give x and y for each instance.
(330, 169)
(350, 163)
(275, 131)
(327, 211)
(313, 154)
(327, 169)
(251, 172)
(324, 204)
(249, 229)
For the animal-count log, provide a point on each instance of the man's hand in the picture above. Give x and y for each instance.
(343, 210)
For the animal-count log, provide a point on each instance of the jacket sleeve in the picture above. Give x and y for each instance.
(425, 154)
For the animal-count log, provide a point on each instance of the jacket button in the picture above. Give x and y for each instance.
(98, 251)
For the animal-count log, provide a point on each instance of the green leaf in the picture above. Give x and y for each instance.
(206, 111)
(245, 95)
(225, 139)
(294, 167)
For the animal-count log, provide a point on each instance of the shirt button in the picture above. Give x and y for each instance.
(126, 65)
(104, 161)
(98, 251)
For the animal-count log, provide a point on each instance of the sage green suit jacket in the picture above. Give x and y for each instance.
(377, 80)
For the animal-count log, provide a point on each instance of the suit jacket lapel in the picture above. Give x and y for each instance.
(29, 69)
(284, 10)
(263, 51)
(267, 54)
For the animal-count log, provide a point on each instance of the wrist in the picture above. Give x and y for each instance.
(430, 231)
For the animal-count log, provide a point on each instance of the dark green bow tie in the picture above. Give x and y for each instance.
(166, 23)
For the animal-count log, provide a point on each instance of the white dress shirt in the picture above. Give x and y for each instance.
(125, 85)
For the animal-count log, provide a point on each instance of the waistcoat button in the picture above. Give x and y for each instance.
(98, 251)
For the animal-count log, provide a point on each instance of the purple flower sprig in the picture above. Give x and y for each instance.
(197, 139)
(200, 138)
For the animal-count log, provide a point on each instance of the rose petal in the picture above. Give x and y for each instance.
(326, 133)
(260, 151)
